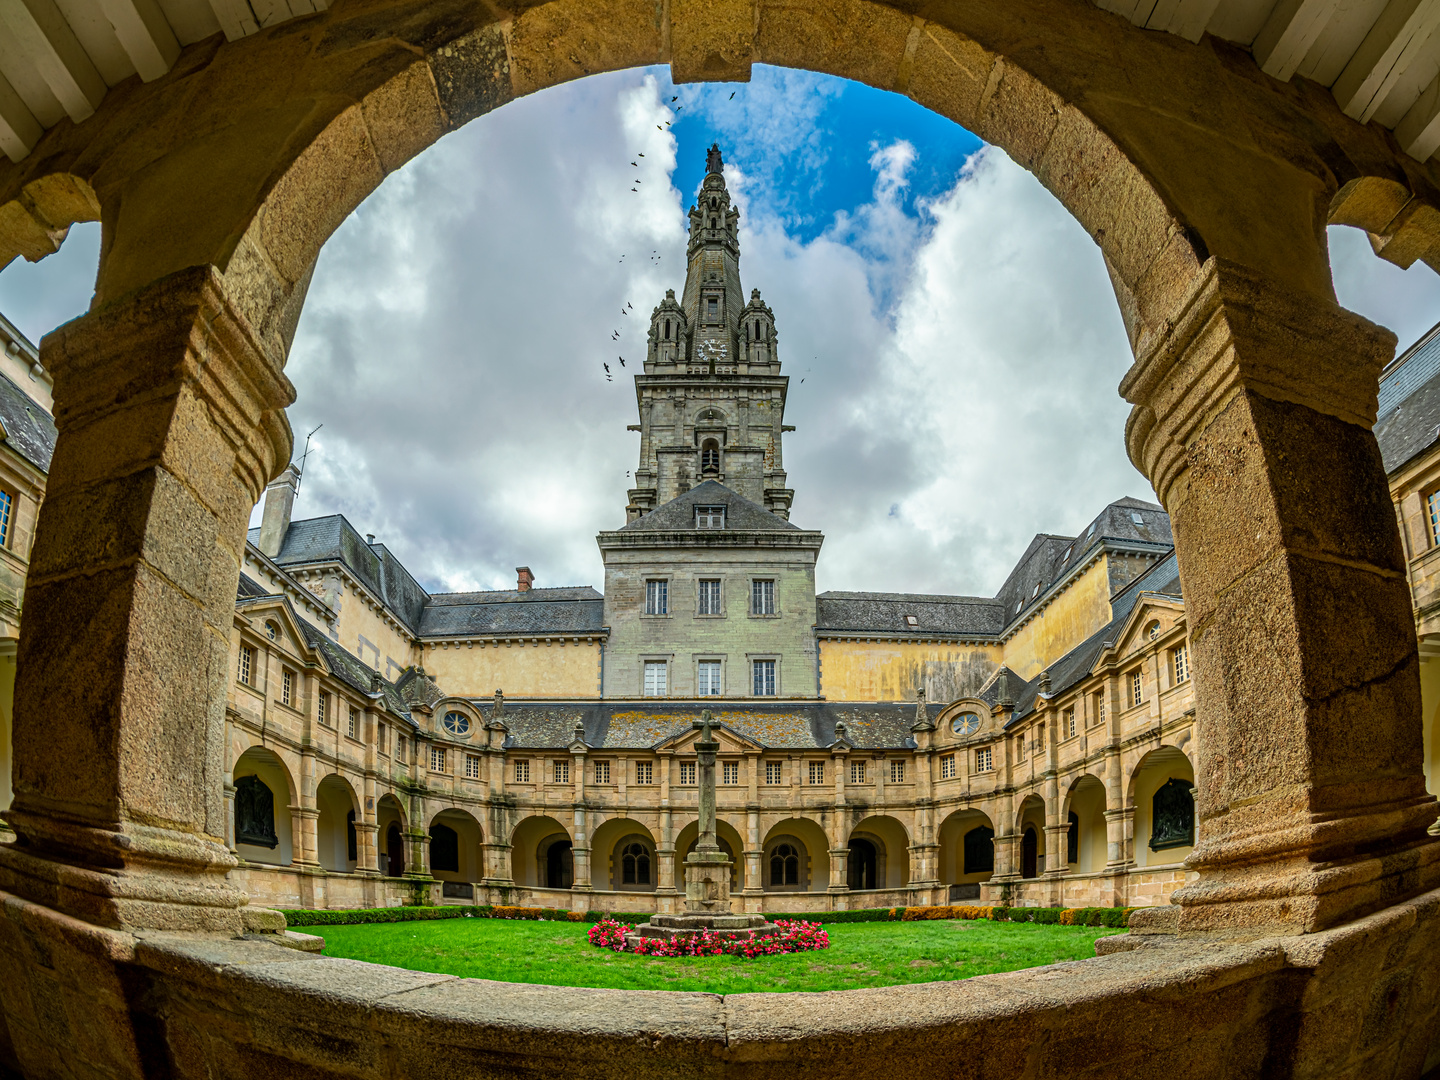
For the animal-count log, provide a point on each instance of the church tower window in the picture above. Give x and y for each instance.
(710, 458)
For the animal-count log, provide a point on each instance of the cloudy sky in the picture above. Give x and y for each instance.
(957, 337)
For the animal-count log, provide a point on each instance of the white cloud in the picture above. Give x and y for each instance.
(1407, 301)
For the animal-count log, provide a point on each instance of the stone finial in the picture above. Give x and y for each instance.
(1045, 684)
(1004, 700)
(499, 704)
(579, 732)
(377, 683)
(713, 162)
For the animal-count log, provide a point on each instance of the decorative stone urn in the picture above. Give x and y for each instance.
(707, 872)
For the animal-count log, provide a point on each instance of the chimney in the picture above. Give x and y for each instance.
(525, 579)
(279, 501)
(369, 538)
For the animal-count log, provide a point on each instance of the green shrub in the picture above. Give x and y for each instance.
(894, 914)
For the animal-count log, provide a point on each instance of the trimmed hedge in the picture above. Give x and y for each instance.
(894, 914)
(357, 916)
(1094, 916)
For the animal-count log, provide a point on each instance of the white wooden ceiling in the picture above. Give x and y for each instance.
(1380, 58)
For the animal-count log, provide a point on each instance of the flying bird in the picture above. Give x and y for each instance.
(606, 367)
(732, 96)
(622, 362)
(635, 163)
(675, 98)
(641, 155)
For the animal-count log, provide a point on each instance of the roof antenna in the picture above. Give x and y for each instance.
(300, 472)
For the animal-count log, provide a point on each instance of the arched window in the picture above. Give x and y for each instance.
(635, 864)
(1172, 820)
(980, 850)
(1072, 839)
(710, 458)
(785, 865)
(254, 813)
(667, 329)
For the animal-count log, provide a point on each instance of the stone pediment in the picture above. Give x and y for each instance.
(1151, 610)
(731, 742)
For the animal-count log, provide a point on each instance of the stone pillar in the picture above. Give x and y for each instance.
(304, 835)
(1118, 825)
(366, 833)
(580, 851)
(1253, 419)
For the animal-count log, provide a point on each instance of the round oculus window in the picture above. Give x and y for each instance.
(457, 723)
(965, 724)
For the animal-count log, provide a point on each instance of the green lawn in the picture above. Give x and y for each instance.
(860, 954)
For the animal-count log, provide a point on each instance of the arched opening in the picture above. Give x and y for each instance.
(394, 853)
(1032, 837)
(1030, 853)
(890, 842)
(966, 854)
(1162, 784)
(529, 847)
(262, 824)
(861, 868)
(335, 825)
(709, 458)
(727, 836)
(390, 828)
(607, 866)
(795, 857)
(457, 855)
(559, 863)
(1087, 849)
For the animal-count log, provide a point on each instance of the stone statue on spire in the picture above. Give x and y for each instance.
(713, 164)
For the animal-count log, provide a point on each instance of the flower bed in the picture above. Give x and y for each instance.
(794, 936)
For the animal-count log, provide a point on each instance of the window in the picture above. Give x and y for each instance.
(1180, 663)
(1020, 747)
(772, 772)
(322, 708)
(857, 772)
(1039, 737)
(712, 304)
(897, 772)
(657, 598)
(710, 465)
(642, 772)
(1069, 723)
(764, 678)
(437, 759)
(1136, 689)
(6, 501)
(785, 865)
(709, 678)
(1035, 591)
(352, 725)
(817, 772)
(472, 766)
(710, 596)
(1100, 707)
(983, 760)
(1432, 508)
(635, 865)
(247, 664)
(730, 772)
(602, 772)
(380, 736)
(457, 724)
(287, 686)
(562, 772)
(710, 517)
(947, 767)
(655, 681)
(911, 620)
(1152, 631)
(687, 773)
(1136, 518)
(272, 631)
(762, 598)
(400, 743)
(522, 772)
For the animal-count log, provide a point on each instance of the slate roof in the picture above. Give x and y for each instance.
(250, 589)
(1079, 662)
(632, 725)
(1409, 371)
(29, 429)
(333, 539)
(573, 610)
(741, 515)
(884, 613)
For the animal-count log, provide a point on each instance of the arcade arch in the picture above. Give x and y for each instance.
(336, 843)
(390, 829)
(795, 857)
(456, 852)
(530, 845)
(1030, 824)
(727, 835)
(884, 848)
(624, 856)
(263, 794)
(967, 848)
(1163, 780)
(1085, 807)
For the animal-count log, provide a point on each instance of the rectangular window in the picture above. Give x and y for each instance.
(247, 664)
(897, 772)
(947, 767)
(710, 517)
(352, 726)
(437, 759)
(687, 773)
(562, 772)
(857, 772)
(602, 772)
(983, 761)
(287, 686)
(655, 681)
(710, 596)
(401, 742)
(472, 766)
(1181, 663)
(762, 598)
(1432, 508)
(1020, 747)
(657, 598)
(729, 772)
(1039, 737)
(1136, 689)
(6, 502)
(764, 678)
(709, 678)
(1069, 723)
(643, 772)
(817, 772)
(712, 306)
(522, 772)
(772, 772)
(322, 708)
(1100, 707)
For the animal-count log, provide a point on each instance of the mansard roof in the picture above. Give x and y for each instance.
(1409, 415)
(569, 610)
(802, 725)
(29, 429)
(885, 613)
(741, 515)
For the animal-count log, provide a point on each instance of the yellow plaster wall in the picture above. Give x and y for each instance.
(389, 652)
(891, 670)
(566, 670)
(1069, 619)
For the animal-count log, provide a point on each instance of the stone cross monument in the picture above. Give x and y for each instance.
(707, 869)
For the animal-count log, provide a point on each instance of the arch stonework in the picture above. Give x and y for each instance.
(1208, 188)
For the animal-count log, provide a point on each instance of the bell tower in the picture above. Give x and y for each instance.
(711, 399)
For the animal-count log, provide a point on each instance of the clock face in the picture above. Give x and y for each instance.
(965, 724)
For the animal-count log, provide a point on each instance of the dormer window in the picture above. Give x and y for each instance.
(911, 620)
(710, 517)
(1036, 591)
(1137, 519)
